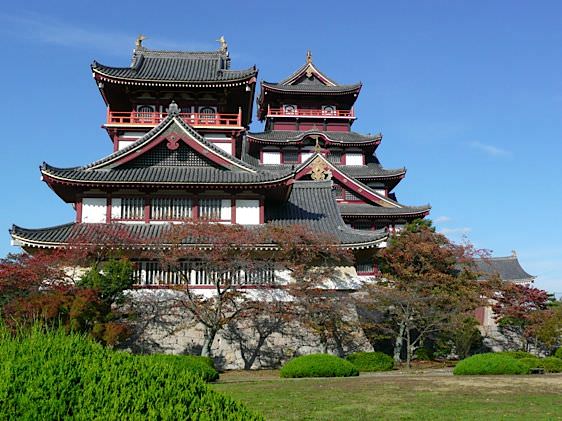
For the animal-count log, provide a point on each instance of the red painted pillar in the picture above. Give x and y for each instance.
(78, 207)
(233, 210)
(262, 211)
(108, 210)
(147, 209)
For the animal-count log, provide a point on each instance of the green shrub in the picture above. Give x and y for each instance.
(550, 364)
(517, 354)
(490, 363)
(371, 361)
(50, 375)
(202, 366)
(558, 353)
(318, 365)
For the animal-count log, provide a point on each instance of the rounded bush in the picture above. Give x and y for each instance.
(558, 353)
(202, 366)
(57, 376)
(490, 363)
(531, 362)
(318, 365)
(551, 364)
(517, 354)
(371, 361)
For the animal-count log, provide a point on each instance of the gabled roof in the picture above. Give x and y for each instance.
(294, 136)
(353, 184)
(175, 66)
(214, 166)
(507, 268)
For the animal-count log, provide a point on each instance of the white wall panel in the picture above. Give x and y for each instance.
(227, 147)
(226, 210)
(94, 210)
(353, 158)
(271, 157)
(248, 211)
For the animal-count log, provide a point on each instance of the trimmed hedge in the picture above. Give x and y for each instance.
(318, 365)
(51, 375)
(371, 361)
(490, 363)
(517, 354)
(558, 353)
(202, 366)
(549, 364)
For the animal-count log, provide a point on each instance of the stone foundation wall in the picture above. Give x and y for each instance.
(165, 328)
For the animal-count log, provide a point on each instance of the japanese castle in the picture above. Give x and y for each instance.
(179, 122)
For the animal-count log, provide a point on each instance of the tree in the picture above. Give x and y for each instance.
(234, 261)
(520, 310)
(426, 282)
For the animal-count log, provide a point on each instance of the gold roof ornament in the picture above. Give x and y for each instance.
(224, 46)
(139, 40)
(308, 57)
(319, 171)
(309, 64)
(317, 147)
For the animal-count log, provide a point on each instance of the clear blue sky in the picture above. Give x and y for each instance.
(467, 93)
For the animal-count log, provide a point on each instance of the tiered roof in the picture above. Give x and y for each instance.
(150, 67)
(507, 268)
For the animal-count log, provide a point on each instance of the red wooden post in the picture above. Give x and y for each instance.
(78, 207)
(233, 210)
(147, 209)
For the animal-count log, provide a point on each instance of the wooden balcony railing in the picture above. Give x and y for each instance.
(304, 112)
(134, 118)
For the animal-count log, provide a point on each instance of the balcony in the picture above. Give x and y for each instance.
(310, 113)
(151, 119)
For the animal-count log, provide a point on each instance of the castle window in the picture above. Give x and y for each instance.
(334, 156)
(291, 156)
(210, 209)
(145, 112)
(132, 208)
(328, 109)
(289, 109)
(354, 158)
(207, 113)
(170, 208)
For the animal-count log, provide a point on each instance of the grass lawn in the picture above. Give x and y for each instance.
(430, 395)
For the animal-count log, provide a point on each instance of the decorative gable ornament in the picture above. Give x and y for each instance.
(319, 170)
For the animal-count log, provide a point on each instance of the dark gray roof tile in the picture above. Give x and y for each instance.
(176, 66)
(507, 268)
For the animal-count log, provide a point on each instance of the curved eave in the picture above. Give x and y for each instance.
(51, 179)
(19, 238)
(300, 139)
(286, 89)
(245, 80)
(412, 214)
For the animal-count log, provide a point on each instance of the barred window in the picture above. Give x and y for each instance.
(291, 156)
(363, 225)
(210, 208)
(170, 208)
(340, 195)
(132, 208)
(349, 195)
(334, 156)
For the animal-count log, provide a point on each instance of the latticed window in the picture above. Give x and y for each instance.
(291, 156)
(366, 267)
(170, 208)
(363, 225)
(349, 195)
(132, 208)
(210, 208)
(145, 112)
(339, 192)
(334, 156)
(207, 113)
(328, 109)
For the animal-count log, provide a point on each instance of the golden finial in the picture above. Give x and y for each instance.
(309, 57)
(224, 46)
(140, 39)
(317, 147)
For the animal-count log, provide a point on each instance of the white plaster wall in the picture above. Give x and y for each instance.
(353, 158)
(115, 208)
(94, 210)
(227, 147)
(226, 210)
(248, 211)
(306, 154)
(271, 157)
(124, 143)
